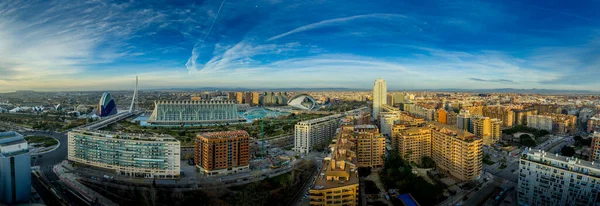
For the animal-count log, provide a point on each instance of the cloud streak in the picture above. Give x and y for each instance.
(493, 80)
(332, 22)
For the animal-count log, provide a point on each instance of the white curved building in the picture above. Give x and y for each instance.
(302, 101)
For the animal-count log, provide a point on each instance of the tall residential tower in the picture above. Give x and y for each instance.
(379, 96)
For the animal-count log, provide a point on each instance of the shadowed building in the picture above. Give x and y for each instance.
(552, 179)
(15, 169)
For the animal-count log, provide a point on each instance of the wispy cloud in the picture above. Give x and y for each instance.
(493, 80)
(332, 22)
(50, 39)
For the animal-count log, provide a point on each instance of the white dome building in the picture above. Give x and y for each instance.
(302, 101)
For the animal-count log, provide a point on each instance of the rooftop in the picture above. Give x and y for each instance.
(454, 131)
(127, 136)
(558, 161)
(227, 134)
(6, 137)
(341, 169)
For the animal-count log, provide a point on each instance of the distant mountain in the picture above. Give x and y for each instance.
(520, 91)
(240, 89)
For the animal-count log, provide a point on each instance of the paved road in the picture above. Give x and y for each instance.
(54, 157)
(47, 161)
(299, 199)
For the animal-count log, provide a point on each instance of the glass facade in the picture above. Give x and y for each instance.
(130, 155)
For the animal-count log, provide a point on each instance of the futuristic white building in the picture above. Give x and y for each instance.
(302, 101)
(194, 112)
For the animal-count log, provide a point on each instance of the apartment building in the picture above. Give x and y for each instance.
(135, 155)
(595, 147)
(387, 121)
(370, 146)
(551, 179)
(540, 122)
(489, 130)
(557, 123)
(413, 143)
(315, 132)
(456, 152)
(220, 153)
(337, 181)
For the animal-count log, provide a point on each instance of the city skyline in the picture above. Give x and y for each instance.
(53, 46)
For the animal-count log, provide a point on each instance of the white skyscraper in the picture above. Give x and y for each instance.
(379, 96)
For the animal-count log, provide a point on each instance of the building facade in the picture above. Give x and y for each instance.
(220, 153)
(593, 124)
(179, 113)
(442, 116)
(595, 147)
(387, 121)
(15, 169)
(557, 123)
(551, 179)
(463, 120)
(315, 132)
(456, 152)
(541, 122)
(413, 143)
(379, 96)
(134, 155)
(521, 115)
(370, 146)
(451, 119)
(489, 130)
(337, 181)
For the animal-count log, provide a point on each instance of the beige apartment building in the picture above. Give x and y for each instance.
(337, 182)
(413, 143)
(456, 152)
(370, 146)
(487, 129)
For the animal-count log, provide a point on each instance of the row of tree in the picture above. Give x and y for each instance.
(397, 174)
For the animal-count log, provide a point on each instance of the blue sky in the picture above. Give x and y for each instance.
(100, 45)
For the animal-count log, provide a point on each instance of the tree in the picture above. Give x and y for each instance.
(524, 136)
(364, 171)
(567, 151)
(528, 142)
(578, 138)
(427, 162)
